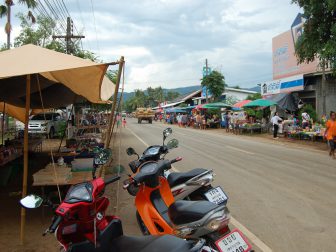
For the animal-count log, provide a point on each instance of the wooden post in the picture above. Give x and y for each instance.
(25, 158)
(115, 97)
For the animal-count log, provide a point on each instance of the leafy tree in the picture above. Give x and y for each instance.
(138, 100)
(171, 95)
(215, 83)
(230, 100)
(154, 96)
(253, 97)
(5, 10)
(318, 39)
(41, 33)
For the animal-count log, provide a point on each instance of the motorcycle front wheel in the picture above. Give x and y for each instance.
(141, 224)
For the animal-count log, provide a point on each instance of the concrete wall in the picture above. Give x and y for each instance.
(330, 95)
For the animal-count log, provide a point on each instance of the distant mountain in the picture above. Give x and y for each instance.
(180, 90)
(255, 89)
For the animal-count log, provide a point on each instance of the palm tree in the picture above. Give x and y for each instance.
(6, 10)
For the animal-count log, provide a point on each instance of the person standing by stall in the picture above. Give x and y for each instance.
(330, 133)
(179, 119)
(275, 121)
(199, 120)
(305, 120)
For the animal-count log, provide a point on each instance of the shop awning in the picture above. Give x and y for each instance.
(61, 77)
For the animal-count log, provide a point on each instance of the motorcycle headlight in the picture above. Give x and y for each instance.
(219, 220)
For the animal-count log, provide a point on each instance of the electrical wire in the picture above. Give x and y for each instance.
(95, 27)
(82, 21)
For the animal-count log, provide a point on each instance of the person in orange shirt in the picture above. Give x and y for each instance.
(330, 133)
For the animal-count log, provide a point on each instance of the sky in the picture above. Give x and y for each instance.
(166, 42)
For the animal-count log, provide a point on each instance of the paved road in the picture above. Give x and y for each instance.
(286, 196)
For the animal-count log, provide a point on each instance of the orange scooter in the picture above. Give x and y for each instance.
(158, 213)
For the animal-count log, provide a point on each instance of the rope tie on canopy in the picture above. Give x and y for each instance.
(48, 137)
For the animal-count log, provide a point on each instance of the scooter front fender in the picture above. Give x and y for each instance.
(149, 213)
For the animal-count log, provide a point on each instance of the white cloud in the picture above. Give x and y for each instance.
(165, 42)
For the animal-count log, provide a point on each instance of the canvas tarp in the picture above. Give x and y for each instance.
(61, 77)
(287, 102)
(13, 111)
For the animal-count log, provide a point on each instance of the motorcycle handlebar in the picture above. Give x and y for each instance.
(176, 160)
(111, 180)
(55, 224)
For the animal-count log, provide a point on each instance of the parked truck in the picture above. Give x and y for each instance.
(144, 114)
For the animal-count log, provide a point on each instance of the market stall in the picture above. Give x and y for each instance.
(251, 125)
(53, 80)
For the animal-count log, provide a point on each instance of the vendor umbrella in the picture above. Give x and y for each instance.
(259, 103)
(241, 103)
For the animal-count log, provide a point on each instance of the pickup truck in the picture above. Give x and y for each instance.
(46, 124)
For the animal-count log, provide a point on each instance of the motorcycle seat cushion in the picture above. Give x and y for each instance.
(184, 211)
(165, 243)
(176, 178)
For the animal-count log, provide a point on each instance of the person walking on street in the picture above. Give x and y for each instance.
(118, 120)
(330, 133)
(275, 121)
(124, 122)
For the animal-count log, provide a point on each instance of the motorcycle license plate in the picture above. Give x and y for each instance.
(233, 242)
(216, 195)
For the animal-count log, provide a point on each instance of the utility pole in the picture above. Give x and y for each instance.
(206, 74)
(69, 36)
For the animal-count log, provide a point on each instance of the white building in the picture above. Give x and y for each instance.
(235, 93)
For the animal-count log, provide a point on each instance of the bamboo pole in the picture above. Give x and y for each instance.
(108, 133)
(3, 122)
(25, 158)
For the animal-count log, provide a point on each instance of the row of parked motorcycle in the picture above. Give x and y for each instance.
(175, 211)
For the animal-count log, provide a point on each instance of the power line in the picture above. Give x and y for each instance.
(52, 12)
(82, 20)
(95, 27)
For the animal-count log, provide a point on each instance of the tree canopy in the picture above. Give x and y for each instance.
(318, 39)
(40, 33)
(215, 83)
(253, 97)
(151, 97)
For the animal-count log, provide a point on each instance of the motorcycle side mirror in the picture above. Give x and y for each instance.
(172, 144)
(31, 201)
(166, 133)
(130, 151)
